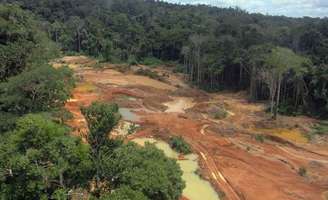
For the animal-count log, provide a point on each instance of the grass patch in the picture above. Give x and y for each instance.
(150, 74)
(180, 145)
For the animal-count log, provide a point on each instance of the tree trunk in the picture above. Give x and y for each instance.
(198, 66)
(240, 75)
(278, 98)
(78, 42)
(61, 179)
(253, 94)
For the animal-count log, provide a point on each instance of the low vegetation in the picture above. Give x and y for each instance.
(132, 128)
(302, 171)
(180, 145)
(321, 128)
(149, 73)
(152, 61)
(220, 114)
(259, 138)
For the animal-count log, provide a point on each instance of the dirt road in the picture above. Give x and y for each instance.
(232, 158)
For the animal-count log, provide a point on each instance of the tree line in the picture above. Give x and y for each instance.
(219, 48)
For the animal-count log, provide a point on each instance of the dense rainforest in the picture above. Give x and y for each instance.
(277, 59)
(280, 59)
(39, 157)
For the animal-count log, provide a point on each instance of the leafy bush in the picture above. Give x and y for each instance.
(151, 61)
(145, 169)
(179, 69)
(150, 74)
(321, 128)
(288, 109)
(132, 129)
(222, 195)
(123, 68)
(38, 90)
(259, 138)
(124, 193)
(7, 121)
(220, 114)
(22, 42)
(132, 60)
(38, 158)
(180, 145)
(302, 171)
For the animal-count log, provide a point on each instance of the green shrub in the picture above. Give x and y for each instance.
(321, 128)
(132, 60)
(98, 65)
(132, 129)
(179, 69)
(150, 74)
(151, 61)
(220, 114)
(221, 194)
(302, 171)
(123, 68)
(145, 169)
(259, 138)
(180, 145)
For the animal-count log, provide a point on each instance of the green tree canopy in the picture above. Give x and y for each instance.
(38, 158)
(145, 169)
(124, 193)
(22, 42)
(37, 90)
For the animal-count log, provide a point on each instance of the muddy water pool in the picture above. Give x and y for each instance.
(128, 115)
(196, 187)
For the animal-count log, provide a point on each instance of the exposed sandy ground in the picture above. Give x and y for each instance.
(179, 105)
(231, 159)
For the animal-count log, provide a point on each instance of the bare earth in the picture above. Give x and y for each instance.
(231, 158)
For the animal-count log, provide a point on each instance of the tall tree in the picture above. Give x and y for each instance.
(38, 158)
(101, 118)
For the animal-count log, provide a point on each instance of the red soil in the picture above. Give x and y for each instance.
(230, 158)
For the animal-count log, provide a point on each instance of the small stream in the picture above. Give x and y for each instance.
(196, 187)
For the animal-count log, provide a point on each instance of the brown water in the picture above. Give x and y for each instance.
(196, 187)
